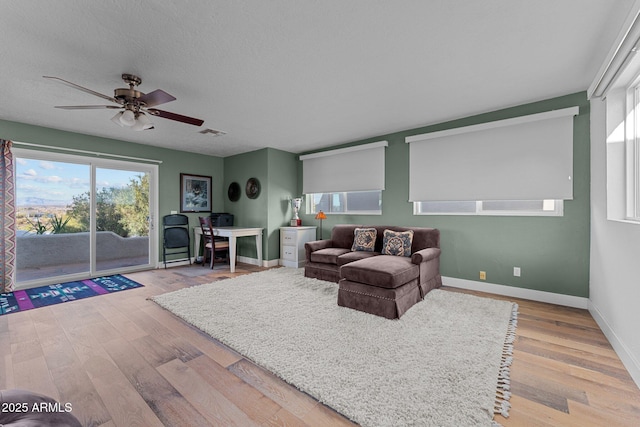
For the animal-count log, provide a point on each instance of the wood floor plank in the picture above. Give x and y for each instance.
(526, 413)
(169, 405)
(541, 395)
(557, 352)
(125, 327)
(6, 371)
(77, 389)
(21, 328)
(4, 324)
(221, 354)
(284, 418)
(602, 349)
(212, 404)
(180, 347)
(34, 375)
(277, 390)
(154, 353)
(532, 369)
(126, 407)
(256, 405)
(26, 350)
(585, 415)
(87, 345)
(320, 416)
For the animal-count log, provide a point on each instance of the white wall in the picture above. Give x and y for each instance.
(614, 290)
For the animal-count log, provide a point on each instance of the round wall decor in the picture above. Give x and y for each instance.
(253, 188)
(234, 192)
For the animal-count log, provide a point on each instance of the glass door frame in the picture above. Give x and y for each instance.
(103, 163)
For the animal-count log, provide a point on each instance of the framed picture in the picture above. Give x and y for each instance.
(195, 193)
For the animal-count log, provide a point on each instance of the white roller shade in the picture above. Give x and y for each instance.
(358, 168)
(525, 158)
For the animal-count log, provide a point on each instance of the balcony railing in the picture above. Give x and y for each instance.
(46, 255)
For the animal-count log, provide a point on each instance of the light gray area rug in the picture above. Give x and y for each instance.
(444, 363)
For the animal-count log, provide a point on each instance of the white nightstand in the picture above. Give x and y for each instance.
(292, 240)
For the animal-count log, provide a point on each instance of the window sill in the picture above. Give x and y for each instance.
(624, 221)
(351, 213)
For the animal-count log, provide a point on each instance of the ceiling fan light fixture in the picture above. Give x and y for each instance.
(128, 118)
(142, 123)
(116, 119)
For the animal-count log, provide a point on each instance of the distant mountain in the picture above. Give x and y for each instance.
(37, 201)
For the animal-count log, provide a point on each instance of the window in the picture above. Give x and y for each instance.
(618, 85)
(346, 180)
(633, 162)
(349, 202)
(623, 151)
(491, 207)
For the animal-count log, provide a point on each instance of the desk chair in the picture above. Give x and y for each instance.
(211, 244)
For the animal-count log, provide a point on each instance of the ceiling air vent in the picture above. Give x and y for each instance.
(213, 132)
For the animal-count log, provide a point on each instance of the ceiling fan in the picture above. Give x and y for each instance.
(132, 103)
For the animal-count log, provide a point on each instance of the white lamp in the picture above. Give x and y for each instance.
(128, 118)
(116, 119)
(142, 123)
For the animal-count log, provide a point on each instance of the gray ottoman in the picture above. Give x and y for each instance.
(384, 285)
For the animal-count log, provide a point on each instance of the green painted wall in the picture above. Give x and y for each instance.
(283, 185)
(173, 163)
(248, 212)
(277, 172)
(553, 252)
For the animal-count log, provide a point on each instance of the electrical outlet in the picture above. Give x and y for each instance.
(483, 275)
(516, 271)
(174, 212)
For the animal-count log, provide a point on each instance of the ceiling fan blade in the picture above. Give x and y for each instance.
(84, 89)
(176, 117)
(87, 107)
(156, 97)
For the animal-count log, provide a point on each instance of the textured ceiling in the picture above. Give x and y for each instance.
(296, 75)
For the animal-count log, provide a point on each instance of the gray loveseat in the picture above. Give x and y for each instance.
(384, 285)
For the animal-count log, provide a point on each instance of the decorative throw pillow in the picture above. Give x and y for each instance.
(397, 243)
(364, 239)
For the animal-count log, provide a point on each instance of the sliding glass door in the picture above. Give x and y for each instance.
(79, 216)
(122, 218)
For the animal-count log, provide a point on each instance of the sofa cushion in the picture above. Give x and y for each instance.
(384, 271)
(364, 239)
(397, 243)
(355, 256)
(328, 255)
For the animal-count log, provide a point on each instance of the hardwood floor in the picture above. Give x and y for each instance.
(121, 360)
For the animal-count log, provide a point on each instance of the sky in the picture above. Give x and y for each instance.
(50, 182)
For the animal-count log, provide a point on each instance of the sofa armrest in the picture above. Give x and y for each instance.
(425, 255)
(316, 245)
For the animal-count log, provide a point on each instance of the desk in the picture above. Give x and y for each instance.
(232, 233)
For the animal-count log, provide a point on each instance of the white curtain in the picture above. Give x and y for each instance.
(525, 158)
(358, 168)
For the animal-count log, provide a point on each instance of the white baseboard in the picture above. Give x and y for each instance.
(255, 261)
(160, 264)
(271, 263)
(628, 360)
(511, 291)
